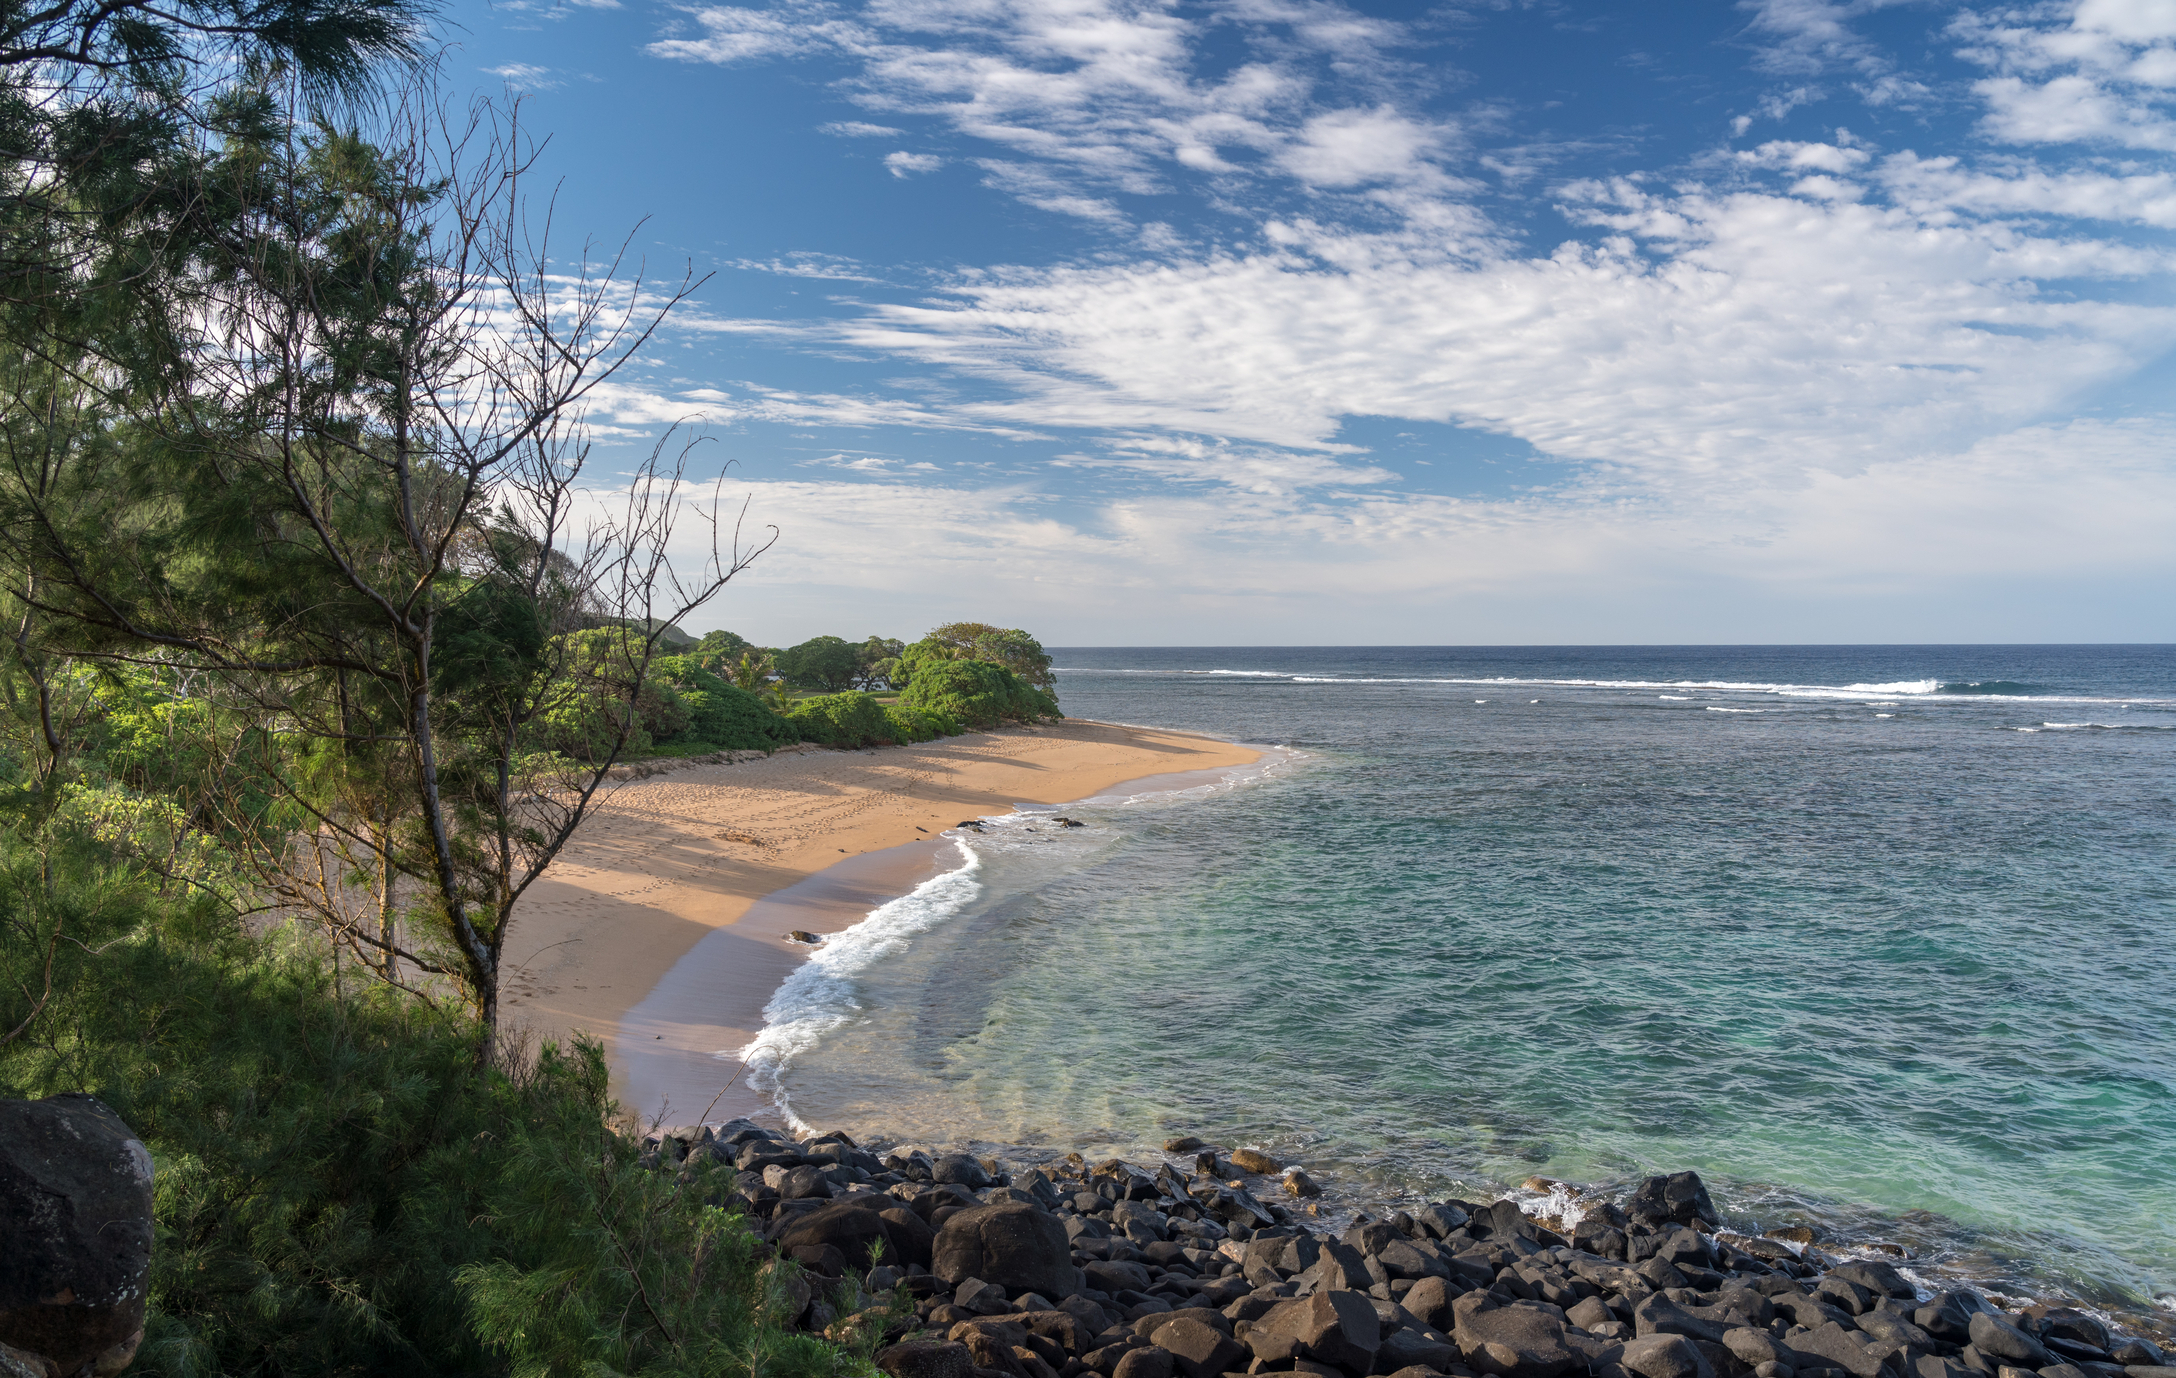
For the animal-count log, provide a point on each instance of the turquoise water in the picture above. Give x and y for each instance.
(1875, 937)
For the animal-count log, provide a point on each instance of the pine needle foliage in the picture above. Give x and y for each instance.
(340, 1189)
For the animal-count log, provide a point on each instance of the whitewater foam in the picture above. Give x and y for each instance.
(819, 995)
(1919, 689)
(2111, 726)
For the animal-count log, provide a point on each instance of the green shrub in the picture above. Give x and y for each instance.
(340, 1189)
(976, 693)
(720, 715)
(849, 719)
(918, 725)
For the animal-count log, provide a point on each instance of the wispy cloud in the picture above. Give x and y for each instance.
(1106, 96)
(905, 164)
(805, 264)
(2097, 72)
(1806, 354)
(525, 76)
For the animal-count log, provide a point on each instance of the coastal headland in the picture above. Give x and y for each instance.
(677, 856)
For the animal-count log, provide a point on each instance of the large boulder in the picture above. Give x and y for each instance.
(1019, 1247)
(1892, 1329)
(2000, 1340)
(1949, 1316)
(1756, 1347)
(1406, 1347)
(1332, 1327)
(926, 1359)
(1517, 1342)
(1680, 1198)
(1339, 1266)
(1876, 1277)
(853, 1227)
(1437, 1221)
(1402, 1260)
(1117, 1275)
(1197, 1350)
(1664, 1356)
(959, 1169)
(1656, 1314)
(1503, 1220)
(1430, 1301)
(910, 1235)
(1832, 1346)
(75, 1233)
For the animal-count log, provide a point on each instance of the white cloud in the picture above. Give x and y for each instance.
(732, 33)
(2098, 78)
(2071, 109)
(871, 464)
(905, 164)
(1808, 360)
(1710, 337)
(1084, 99)
(802, 264)
(2079, 500)
(1811, 157)
(1932, 185)
(1344, 148)
(525, 76)
(859, 129)
(637, 408)
(1814, 36)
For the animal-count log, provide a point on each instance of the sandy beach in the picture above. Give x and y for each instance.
(803, 840)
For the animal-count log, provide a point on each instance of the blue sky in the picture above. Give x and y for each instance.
(1266, 322)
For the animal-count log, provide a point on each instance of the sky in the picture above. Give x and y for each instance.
(1258, 322)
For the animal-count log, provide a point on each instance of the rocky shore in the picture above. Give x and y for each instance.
(1193, 1267)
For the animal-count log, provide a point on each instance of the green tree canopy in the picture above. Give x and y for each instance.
(878, 658)
(823, 664)
(1010, 647)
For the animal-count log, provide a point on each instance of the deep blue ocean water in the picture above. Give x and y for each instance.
(1875, 937)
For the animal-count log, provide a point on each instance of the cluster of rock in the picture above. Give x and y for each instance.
(1181, 1271)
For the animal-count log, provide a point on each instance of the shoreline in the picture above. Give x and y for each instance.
(1182, 1262)
(739, 853)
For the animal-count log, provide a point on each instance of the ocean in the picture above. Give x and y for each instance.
(1878, 938)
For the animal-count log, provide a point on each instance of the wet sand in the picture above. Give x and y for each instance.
(810, 840)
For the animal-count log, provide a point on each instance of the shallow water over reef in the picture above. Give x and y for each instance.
(1877, 937)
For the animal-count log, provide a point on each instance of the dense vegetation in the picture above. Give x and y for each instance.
(310, 670)
(340, 1188)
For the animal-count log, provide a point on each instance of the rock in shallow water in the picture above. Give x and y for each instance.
(1680, 1198)
(2004, 1342)
(1876, 1277)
